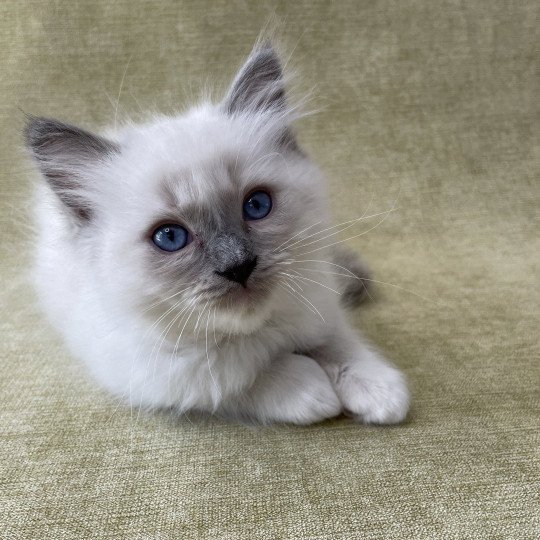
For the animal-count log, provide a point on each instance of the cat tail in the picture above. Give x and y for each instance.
(354, 285)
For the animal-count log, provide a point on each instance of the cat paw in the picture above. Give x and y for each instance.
(296, 390)
(314, 399)
(373, 393)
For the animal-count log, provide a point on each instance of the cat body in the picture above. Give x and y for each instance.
(187, 262)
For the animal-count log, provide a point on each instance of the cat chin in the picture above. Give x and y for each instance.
(240, 323)
(244, 318)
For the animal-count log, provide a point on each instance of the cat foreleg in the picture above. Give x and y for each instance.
(368, 386)
(293, 389)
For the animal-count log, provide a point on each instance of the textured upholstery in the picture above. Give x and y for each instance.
(433, 104)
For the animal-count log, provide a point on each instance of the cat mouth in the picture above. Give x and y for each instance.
(241, 296)
(246, 296)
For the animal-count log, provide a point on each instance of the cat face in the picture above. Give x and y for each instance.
(191, 213)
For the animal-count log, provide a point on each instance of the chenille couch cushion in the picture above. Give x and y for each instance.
(431, 106)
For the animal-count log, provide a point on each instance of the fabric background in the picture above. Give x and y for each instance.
(432, 103)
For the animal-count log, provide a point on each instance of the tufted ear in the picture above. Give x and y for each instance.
(259, 84)
(62, 152)
(259, 87)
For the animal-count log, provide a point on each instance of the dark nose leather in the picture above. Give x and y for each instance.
(239, 272)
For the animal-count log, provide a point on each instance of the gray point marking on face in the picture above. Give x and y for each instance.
(229, 250)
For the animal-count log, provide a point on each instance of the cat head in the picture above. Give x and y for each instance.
(192, 212)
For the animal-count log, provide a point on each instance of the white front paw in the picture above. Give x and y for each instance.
(373, 392)
(312, 397)
(295, 390)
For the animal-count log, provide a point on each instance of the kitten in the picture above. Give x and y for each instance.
(185, 260)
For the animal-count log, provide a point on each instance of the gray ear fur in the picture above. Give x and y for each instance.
(260, 87)
(61, 152)
(259, 84)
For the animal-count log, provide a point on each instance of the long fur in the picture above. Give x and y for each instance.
(161, 329)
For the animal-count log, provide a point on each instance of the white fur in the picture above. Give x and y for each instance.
(259, 361)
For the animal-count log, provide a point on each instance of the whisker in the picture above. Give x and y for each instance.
(137, 355)
(168, 312)
(331, 273)
(295, 281)
(230, 328)
(293, 237)
(304, 300)
(120, 89)
(326, 262)
(346, 239)
(208, 358)
(115, 410)
(155, 304)
(300, 276)
(193, 303)
(154, 353)
(348, 224)
(318, 222)
(292, 292)
(386, 214)
(197, 327)
(352, 275)
(403, 289)
(193, 306)
(214, 323)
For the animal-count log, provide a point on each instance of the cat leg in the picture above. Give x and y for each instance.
(369, 387)
(294, 389)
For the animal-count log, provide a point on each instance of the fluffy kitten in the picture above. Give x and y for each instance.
(184, 261)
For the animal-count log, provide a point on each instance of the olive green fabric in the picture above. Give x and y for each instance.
(431, 106)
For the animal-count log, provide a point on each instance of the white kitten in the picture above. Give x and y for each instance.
(184, 261)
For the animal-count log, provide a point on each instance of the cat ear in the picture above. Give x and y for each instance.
(62, 152)
(259, 85)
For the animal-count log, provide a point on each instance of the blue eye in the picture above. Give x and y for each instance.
(170, 237)
(257, 205)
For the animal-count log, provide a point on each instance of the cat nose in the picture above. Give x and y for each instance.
(239, 272)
